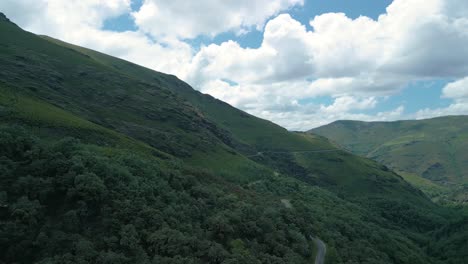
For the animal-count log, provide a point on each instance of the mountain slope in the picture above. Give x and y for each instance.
(152, 107)
(435, 149)
(158, 172)
(247, 135)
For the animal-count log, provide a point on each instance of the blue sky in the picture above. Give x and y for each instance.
(299, 63)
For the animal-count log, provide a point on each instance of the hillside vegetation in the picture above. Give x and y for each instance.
(104, 161)
(431, 154)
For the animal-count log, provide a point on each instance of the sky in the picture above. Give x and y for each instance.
(298, 63)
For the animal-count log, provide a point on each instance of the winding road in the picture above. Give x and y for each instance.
(321, 250)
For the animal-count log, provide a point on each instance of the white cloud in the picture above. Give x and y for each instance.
(23, 12)
(189, 19)
(415, 39)
(281, 57)
(457, 108)
(343, 47)
(457, 89)
(346, 103)
(58, 16)
(310, 116)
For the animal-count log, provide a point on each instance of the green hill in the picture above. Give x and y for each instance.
(104, 161)
(432, 154)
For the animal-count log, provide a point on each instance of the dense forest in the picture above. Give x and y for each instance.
(69, 202)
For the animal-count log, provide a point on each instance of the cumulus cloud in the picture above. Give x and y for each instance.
(414, 39)
(347, 103)
(457, 89)
(189, 19)
(57, 16)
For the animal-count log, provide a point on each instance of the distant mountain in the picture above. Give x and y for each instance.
(104, 161)
(435, 149)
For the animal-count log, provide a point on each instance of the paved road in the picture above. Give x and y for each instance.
(321, 251)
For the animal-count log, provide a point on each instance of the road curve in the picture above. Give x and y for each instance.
(321, 250)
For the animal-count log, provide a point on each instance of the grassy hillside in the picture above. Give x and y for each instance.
(434, 149)
(103, 161)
